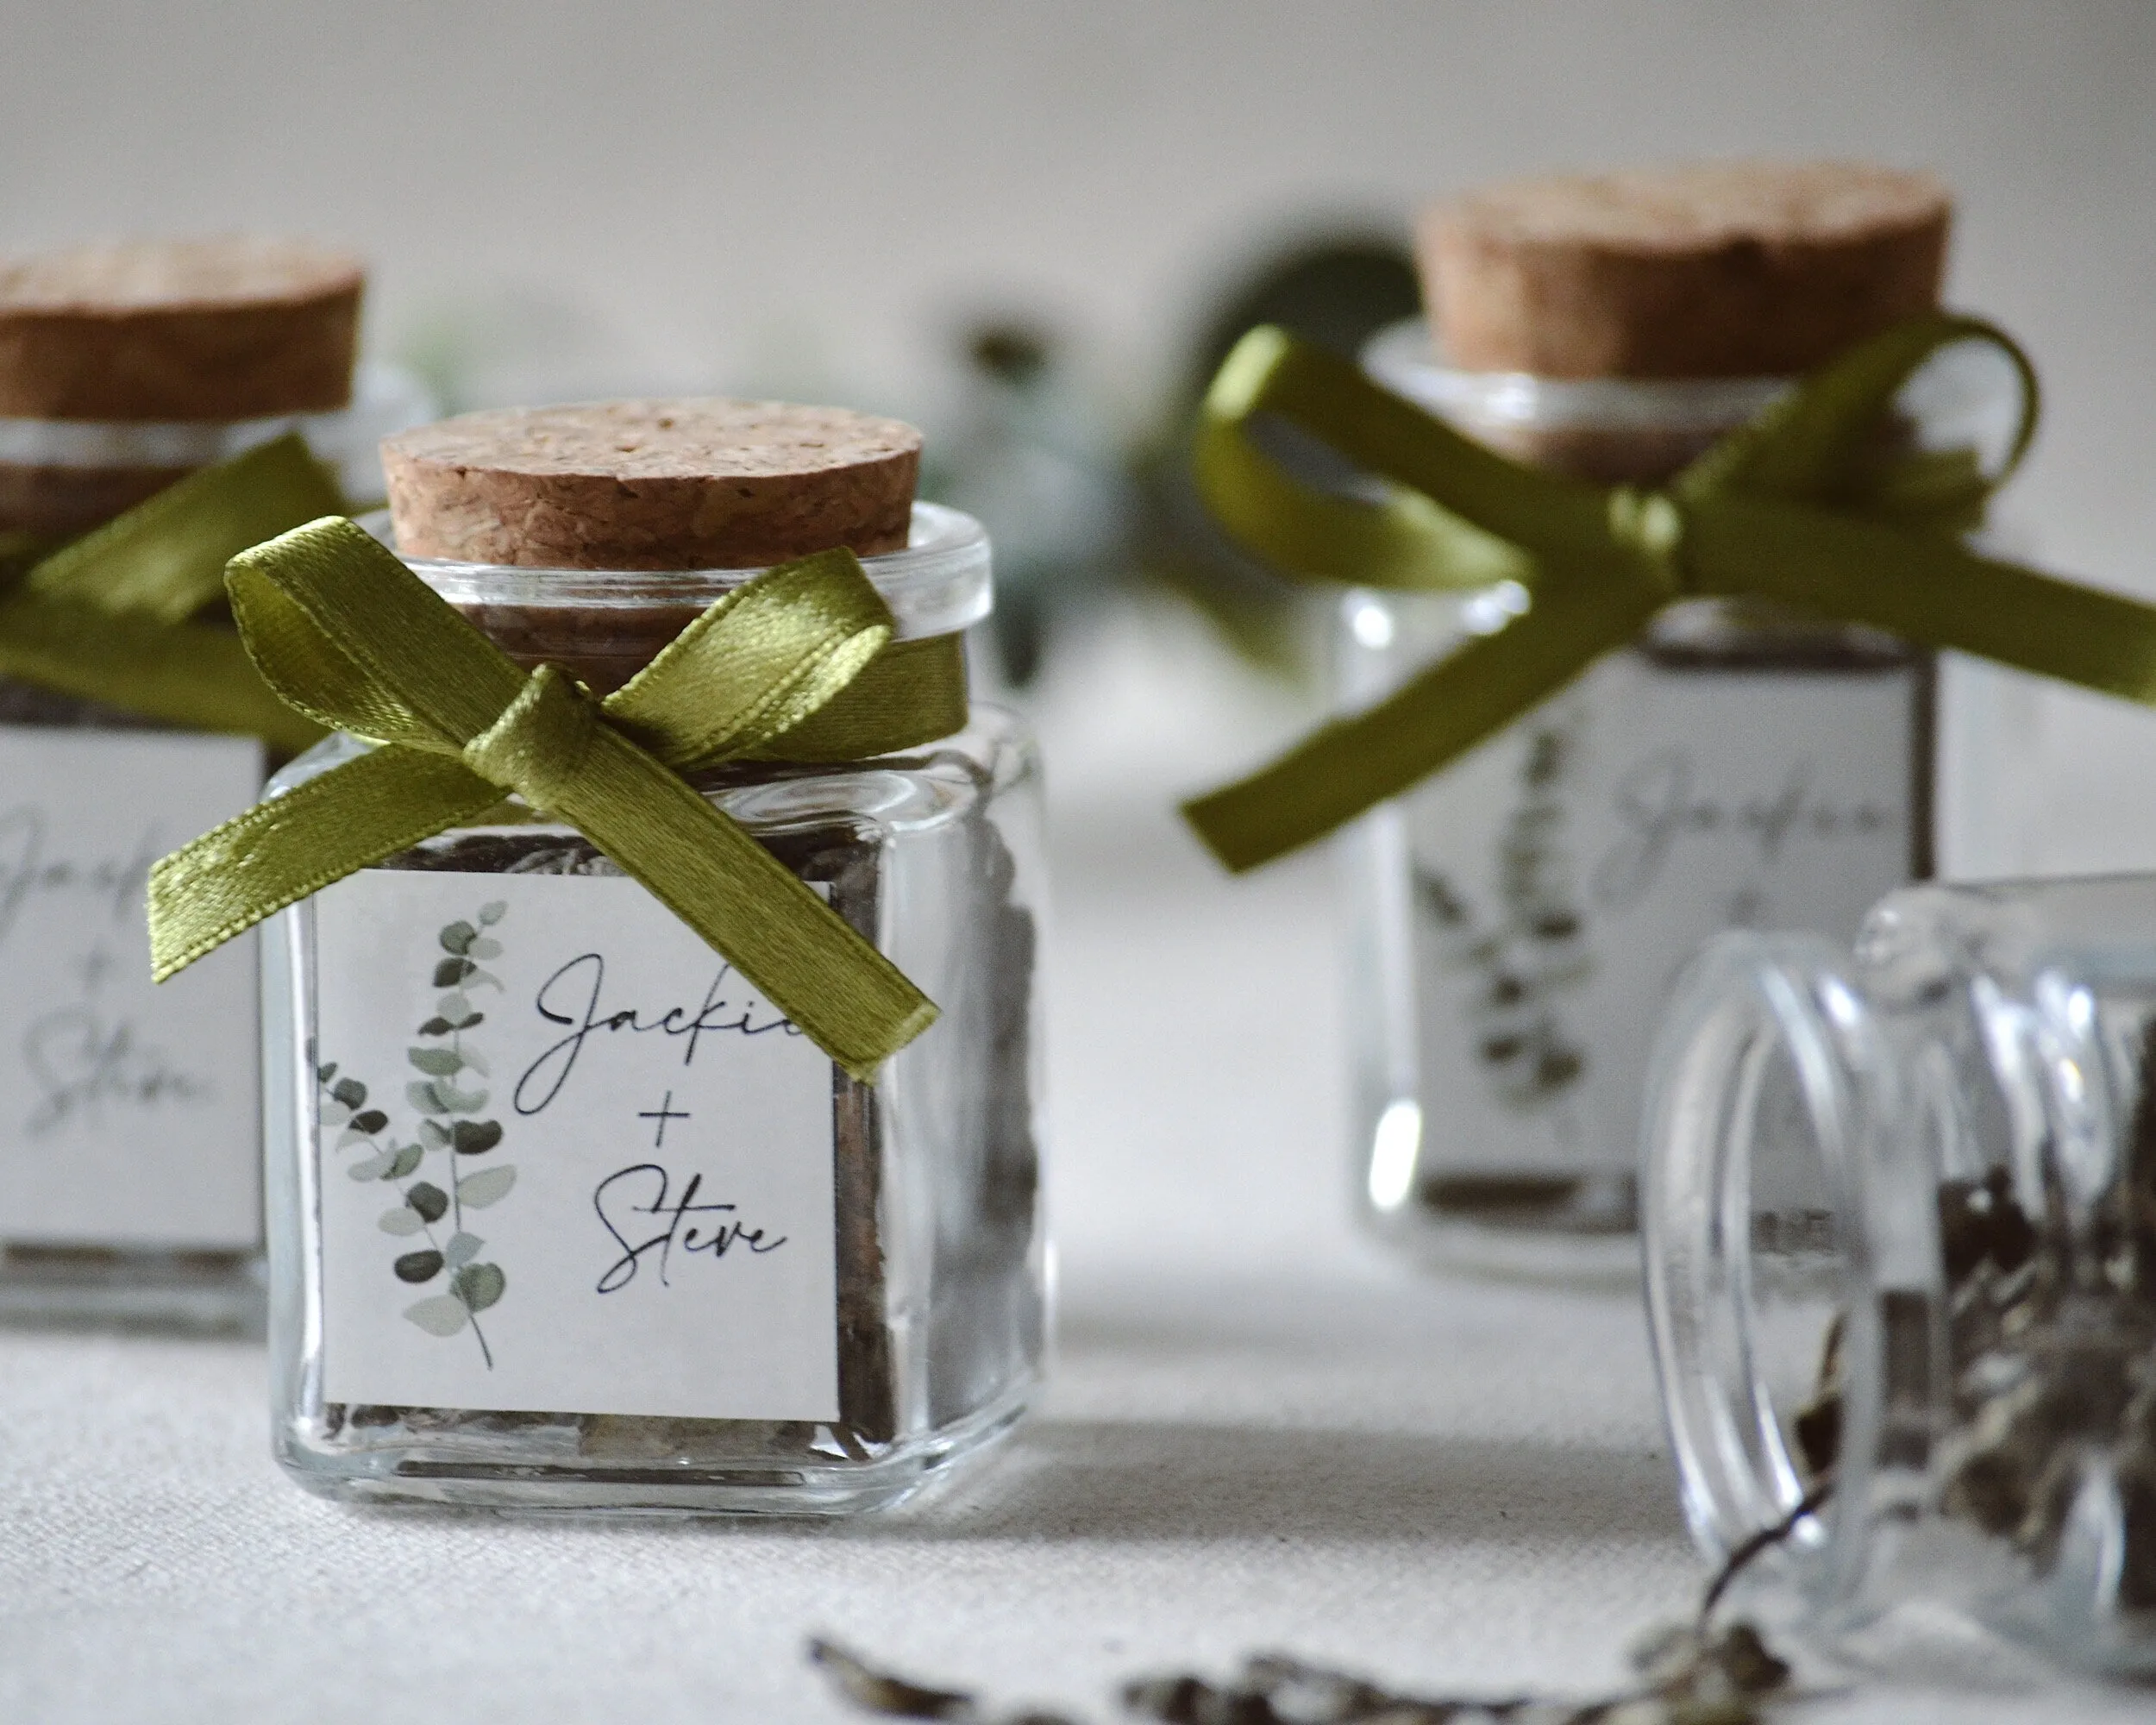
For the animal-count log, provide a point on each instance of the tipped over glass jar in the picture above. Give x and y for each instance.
(1901, 1251)
(562, 1214)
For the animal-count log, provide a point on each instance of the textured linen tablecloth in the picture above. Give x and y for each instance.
(1259, 1434)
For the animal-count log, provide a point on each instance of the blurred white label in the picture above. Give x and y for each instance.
(1565, 870)
(129, 1113)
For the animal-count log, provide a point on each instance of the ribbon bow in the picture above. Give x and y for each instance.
(1812, 506)
(347, 636)
(112, 616)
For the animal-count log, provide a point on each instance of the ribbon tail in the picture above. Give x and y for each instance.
(164, 558)
(1925, 589)
(186, 674)
(290, 846)
(1351, 765)
(847, 997)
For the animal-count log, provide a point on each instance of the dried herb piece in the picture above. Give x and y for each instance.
(1689, 1674)
(875, 1691)
(1979, 1222)
(1817, 1425)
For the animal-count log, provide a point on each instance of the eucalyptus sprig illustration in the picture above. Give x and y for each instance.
(450, 1128)
(1534, 949)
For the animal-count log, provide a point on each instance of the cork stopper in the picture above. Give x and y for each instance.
(175, 331)
(693, 484)
(1742, 269)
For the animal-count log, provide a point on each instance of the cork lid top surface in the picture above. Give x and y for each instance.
(176, 275)
(682, 484)
(1705, 206)
(1715, 269)
(178, 329)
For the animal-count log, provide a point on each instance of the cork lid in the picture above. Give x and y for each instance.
(173, 330)
(1740, 269)
(686, 484)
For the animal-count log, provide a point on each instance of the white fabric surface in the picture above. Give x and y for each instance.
(1259, 1434)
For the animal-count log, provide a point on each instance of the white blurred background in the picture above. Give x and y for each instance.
(812, 197)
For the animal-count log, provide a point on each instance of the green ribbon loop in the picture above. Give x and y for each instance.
(114, 615)
(1815, 505)
(347, 635)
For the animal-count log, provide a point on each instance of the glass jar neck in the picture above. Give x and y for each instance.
(605, 625)
(1616, 431)
(1643, 430)
(67, 475)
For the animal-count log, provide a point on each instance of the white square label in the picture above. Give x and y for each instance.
(129, 1113)
(570, 1160)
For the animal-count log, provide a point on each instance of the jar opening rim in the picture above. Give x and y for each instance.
(384, 399)
(1967, 394)
(1404, 357)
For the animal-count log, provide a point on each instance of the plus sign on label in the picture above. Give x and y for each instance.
(665, 1111)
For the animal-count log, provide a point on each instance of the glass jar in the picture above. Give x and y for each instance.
(761, 1286)
(1901, 1253)
(1518, 917)
(131, 1149)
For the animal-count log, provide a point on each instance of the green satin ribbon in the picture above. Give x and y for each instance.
(1813, 507)
(114, 615)
(350, 637)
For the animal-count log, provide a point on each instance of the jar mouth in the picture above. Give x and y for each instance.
(384, 399)
(1403, 357)
(1967, 395)
(941, 583)
(1755, 1112)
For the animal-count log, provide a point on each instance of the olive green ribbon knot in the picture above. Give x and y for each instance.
(1822, 505)
(347, 636)
(117, 616)
(541, 744)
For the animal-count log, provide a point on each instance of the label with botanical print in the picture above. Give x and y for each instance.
(129, 1111)
(570, 1160)
(1565, 870)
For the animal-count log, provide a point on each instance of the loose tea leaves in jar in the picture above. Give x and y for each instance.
(1901, 1262)
(2052, 1343)
(582, 1217)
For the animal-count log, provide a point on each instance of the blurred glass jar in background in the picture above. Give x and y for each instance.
(129, 1123)
(1519, 916)
(1901, 1249)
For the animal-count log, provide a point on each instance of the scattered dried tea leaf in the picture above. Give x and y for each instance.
(875, 1691)
(1691, 1675)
